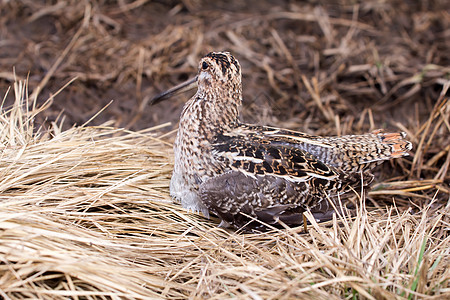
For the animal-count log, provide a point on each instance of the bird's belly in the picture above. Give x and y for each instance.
(181, 190)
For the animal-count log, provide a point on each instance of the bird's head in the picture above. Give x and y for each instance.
(217, 71)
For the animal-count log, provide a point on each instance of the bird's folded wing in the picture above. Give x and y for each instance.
(253, 156)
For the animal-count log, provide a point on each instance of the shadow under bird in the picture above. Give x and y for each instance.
(245, 172)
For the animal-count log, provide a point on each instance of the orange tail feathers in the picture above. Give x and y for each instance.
(399, 146)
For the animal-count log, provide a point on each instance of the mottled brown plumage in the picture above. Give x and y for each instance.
(237, 170)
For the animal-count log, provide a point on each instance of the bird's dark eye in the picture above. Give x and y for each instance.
(204, 65)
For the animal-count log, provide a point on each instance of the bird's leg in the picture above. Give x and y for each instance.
(305, 223)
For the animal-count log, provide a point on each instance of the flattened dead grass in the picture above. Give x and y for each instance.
(85, 213)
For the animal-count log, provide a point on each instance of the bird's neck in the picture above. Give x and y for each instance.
(207, 114)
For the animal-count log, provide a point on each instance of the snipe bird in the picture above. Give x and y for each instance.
(245, 172)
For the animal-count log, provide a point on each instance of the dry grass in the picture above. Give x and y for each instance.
(85, 211)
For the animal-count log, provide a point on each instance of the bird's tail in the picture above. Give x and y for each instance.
(396, 141)
(348, 153)
(351, 153)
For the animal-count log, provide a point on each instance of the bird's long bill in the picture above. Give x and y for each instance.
(182, 87)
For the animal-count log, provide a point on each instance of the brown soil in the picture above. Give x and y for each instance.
(391, 58)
